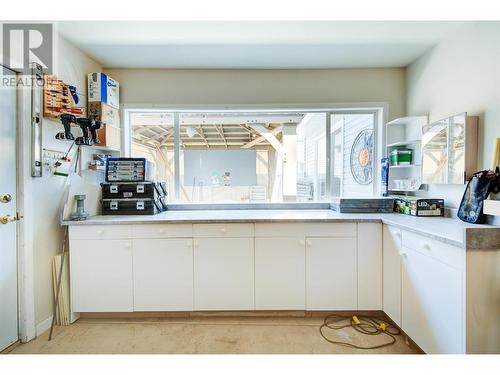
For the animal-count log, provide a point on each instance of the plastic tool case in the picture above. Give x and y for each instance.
(127, 193)
(132, 206)
(133, 190)
(125, 169)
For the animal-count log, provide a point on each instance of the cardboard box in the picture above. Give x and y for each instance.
(109, 136)
(419, 207)
(105, 113)
(102, 88)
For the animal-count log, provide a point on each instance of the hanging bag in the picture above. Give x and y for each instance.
(478, 188)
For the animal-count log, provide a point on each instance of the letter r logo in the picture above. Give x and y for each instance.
(23, 44)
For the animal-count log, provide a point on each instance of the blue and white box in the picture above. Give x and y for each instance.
(104, 89)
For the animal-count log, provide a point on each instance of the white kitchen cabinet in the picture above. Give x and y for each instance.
(280, 273)
(331, 274)
(163, 274)
(224, 274)
(391, 282)
(101, 275)
(432, 303)
(369, 253)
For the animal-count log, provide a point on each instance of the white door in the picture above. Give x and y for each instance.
(163, 274)
(223, 274)
(392, 273)
(331, 274)
(432, 307)
(8, 232)
(280, 267)
(101, 275)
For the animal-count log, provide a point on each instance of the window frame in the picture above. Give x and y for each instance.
(379, 109)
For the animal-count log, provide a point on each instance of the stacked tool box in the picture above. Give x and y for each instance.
(126, 191)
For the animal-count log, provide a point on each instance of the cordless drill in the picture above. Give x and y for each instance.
(85, 124)
(66, 120)
(94, 127)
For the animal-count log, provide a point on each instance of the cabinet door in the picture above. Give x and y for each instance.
(331, 274)
(280, 273)
(101, 275)
(391, 281)
(369, 266)
(223, 274)
(163, 274)
(432, 303)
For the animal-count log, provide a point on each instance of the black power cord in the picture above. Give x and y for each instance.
(366, 325)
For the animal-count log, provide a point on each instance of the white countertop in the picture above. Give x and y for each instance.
(449, 230)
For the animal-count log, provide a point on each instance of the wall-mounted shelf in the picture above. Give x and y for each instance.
(403, 190)
(405, 166)
(405, 133)
(407, 120)
(104, 148)
(403, 143)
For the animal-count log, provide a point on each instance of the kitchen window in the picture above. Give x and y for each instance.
(255, 157)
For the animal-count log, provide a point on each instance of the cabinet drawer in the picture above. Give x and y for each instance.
(162, 230)
(223, 230)
(95, 232)
(306, 230)
(449, 254)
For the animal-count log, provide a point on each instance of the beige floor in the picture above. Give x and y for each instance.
(216, 335)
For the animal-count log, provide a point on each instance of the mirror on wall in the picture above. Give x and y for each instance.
(444, 150)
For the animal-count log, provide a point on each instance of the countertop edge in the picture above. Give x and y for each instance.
(466, 241)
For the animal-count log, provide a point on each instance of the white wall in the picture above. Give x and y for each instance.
(73, 66)
(460, 74)
(174, 86)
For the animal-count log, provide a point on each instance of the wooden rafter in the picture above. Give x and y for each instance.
(269, 136)
(262, 138)
(220, 129)
(202, 135)
(168, 134)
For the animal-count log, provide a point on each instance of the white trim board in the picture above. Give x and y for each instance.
(43, 326)
(26, 288)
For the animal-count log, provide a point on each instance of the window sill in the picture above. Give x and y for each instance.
(249, 206)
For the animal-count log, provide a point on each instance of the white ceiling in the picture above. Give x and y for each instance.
(255, 44)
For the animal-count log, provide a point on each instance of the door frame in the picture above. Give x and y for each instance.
(25, 251)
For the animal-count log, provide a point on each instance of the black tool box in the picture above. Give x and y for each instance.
(133, 190)
(133, 206)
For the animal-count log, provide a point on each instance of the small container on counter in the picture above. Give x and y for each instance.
(419, 206)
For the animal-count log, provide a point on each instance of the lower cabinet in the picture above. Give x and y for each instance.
(280, 273)
(432, 303)
(224, 274)
(331, 274)
(391, 280)
(163, 274)
(101, 275)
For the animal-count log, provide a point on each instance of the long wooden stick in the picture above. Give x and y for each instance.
(59, 279)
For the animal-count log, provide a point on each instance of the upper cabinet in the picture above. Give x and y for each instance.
(449, 150)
